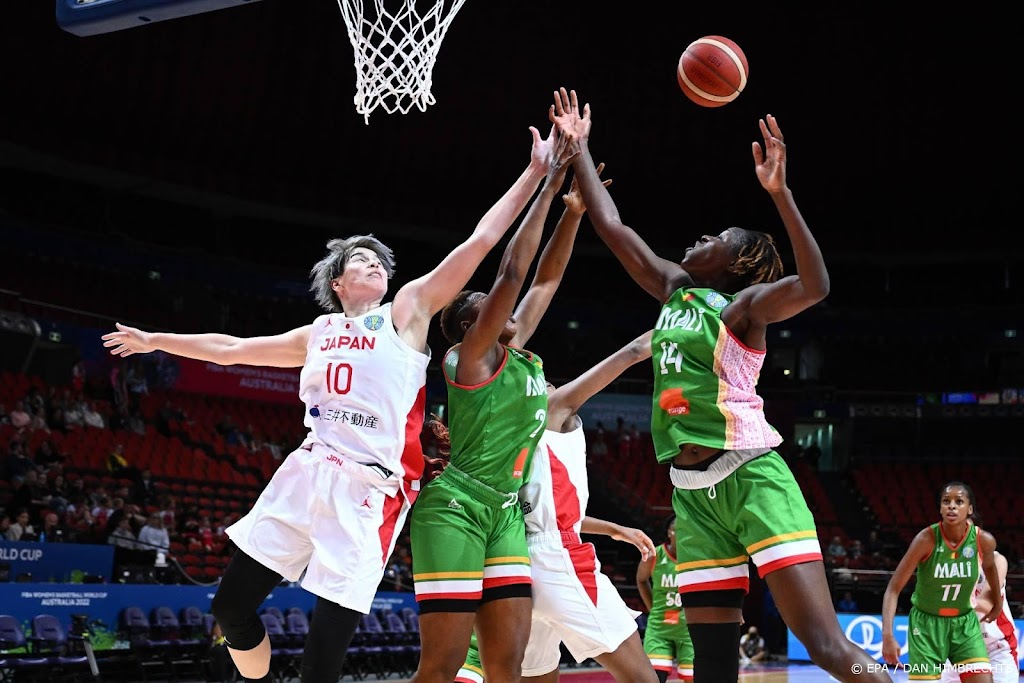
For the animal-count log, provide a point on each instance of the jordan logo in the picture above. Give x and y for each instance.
(328, 323)
(454, 505)
(366, 503)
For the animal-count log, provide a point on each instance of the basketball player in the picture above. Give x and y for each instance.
(666, 640)
(573, 601)
(335, 506)
(948, 557)
(734, 496)
(470, 562)
(1000, 636)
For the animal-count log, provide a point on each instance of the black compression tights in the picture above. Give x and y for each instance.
(330, 634)
(243, 589)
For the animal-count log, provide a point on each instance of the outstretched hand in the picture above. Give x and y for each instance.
(552, 154)
(638, 538)
(574, 198)
(565, 114)
(127, 341)
(770, 163)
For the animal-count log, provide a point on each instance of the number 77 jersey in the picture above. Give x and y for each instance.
(945, 581)
(365, 391)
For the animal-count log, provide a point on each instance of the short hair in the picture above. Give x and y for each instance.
(758, 259)
(452, 315)
(670, 523)
(339, 251)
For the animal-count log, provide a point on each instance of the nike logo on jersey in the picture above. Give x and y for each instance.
(454, 505)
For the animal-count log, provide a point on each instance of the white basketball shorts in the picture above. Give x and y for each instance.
(336, 519)
(574, 603)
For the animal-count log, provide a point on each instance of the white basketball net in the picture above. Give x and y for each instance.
(395, 52)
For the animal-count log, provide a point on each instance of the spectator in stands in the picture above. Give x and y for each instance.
(135, 379)
(144, 492)
(74, 413)
(48, 455)
(79, 515)
(19, 417)
(92, 417)
(21, 529)
(121, 510)
(58, 492)
(836, 552)
(38, 423)
(78, 376)
(55, 531)
(847, 604)
(18, 462)
(5, 525)
(733, 494)
(119, 466)
(122, 536)
(752, 648)
(874, 543)
(134, 422)
(153, 536)
(105, 507)
(32, 494)
(350, 283)
(854, 554)
(598, 447)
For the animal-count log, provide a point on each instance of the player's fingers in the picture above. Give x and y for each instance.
(758, 155)
(573, 101)
(558, 104)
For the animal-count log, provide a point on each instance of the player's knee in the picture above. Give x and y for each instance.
(826, 649)
(238, 621)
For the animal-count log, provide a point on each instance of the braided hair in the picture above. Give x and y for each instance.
(758, 259)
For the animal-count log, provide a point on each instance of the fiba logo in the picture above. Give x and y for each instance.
(866, 633)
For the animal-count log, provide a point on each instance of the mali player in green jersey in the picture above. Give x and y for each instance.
(734, 498)
(948, 557)
(666, 640)
(470, 560)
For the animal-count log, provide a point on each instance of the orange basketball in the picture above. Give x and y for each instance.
(712, 71)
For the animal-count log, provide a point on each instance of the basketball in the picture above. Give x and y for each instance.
(712, 71)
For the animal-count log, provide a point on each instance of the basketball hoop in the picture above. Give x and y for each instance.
(395, 52)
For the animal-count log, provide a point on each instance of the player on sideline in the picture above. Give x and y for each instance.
(948, 557)
(734, 496)
(1000, 635)
(667, 639)
(573, 601)
(335, 506)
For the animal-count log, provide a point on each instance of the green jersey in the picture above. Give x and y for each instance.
(495, 426)
(666, 617)
(705, 379)
(946, 580)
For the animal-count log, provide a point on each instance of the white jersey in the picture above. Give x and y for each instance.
(556, 494)
(999, 634)
(365, 392)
